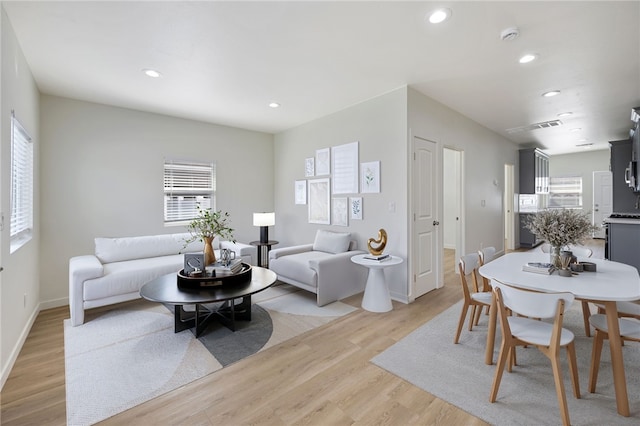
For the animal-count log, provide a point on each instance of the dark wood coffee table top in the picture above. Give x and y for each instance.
(165, 289)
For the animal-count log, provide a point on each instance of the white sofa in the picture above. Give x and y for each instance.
(120, 266)
(324, 267)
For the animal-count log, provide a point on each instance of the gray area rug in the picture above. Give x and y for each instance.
(457, 374)
(130, 354)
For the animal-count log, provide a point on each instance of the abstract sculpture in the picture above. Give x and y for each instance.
(381, 241)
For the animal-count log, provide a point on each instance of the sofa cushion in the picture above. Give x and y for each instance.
(127, 248)
(296, 267)
(129, 276)
(332, 242)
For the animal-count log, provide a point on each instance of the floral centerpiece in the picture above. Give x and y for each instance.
(205, 227)
(560, 228)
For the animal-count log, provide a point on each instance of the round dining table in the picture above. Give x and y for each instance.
(610, 283)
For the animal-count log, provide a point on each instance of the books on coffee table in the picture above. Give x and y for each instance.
(539, 267)
(379, 258)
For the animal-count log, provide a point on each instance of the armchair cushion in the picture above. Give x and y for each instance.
(332, 242)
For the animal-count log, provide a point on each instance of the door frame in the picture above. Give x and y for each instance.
(509, 203)
(459, 228)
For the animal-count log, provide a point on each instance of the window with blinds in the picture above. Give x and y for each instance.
(21, 185)
(565, 192)
(187, 185)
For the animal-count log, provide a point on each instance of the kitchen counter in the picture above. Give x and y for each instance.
(627, 221)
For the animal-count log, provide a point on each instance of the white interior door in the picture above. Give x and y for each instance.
(602, 200)
(425, 234)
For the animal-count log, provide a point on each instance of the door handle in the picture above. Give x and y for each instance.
(436, 223)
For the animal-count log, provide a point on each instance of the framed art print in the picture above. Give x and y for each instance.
(309, 167)
(301, 192)
(319, 202)
(355, 208)
(323, 165)
(370, 181)
(340, 212)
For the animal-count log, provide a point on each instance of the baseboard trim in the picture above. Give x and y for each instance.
(6, 370)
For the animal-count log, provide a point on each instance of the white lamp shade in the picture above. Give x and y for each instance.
(264, 219)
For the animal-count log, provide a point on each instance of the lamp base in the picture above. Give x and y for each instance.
(264, 234)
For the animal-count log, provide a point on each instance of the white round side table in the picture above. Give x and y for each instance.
(376, 293)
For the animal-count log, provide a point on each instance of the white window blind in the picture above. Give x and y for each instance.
(565, 192)
(186, 186)
(21, 183)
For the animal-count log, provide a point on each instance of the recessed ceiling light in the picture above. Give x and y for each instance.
(274, 105)
(585, 145)
(551, 93)
(529, 57)
(439, 15)
(565, 114)
(151, 73)
(575, 129)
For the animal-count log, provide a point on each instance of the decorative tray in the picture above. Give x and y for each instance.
(215, 278)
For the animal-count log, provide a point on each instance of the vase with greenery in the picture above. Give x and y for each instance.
(205, 227)
(560, 228)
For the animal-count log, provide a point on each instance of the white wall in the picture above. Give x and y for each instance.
(484, 155)
(379, 125)
(581, 164)
(20, 279)
(102, 175)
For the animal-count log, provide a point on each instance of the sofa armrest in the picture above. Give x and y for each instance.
(81, 268)
(338, 276)
(286, 251)
(241, 250)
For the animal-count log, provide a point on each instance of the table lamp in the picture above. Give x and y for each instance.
(264, 221)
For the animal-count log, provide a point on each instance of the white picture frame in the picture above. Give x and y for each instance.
(319, 201)
(340, 212)
(323, 162)
(355, 208)
(344, 166)
(309, 167)
(370, 179)
(300, 192)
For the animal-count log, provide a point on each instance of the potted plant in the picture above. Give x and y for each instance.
(205, 227)
(560, 228)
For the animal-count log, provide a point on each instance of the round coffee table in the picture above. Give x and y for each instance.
(165, 289)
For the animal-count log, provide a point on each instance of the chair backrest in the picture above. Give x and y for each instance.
(532, 304)
(580, 251)
(486, 255)
(468, 265)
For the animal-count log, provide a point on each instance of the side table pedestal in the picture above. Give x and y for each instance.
(376, 294)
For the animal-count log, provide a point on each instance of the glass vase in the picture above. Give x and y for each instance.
(554, 257)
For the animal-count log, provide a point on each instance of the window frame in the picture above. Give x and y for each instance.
(573, 189)
(21, 203)
(191, 179)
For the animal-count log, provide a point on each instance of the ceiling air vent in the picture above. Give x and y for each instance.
(535, 126)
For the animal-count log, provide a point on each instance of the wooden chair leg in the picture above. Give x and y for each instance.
(573, 368)
(463, 315)
(505, 349)
(586, 313)
(562, 397)
(478, 313)
(595, 359)
(472, 317)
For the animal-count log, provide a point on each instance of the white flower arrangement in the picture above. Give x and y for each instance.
(561, 227)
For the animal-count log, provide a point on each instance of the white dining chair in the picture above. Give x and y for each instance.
(629, 330)
(468, 265)
(486, 255)
(526, 331)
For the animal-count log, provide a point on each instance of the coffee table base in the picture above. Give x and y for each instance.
(227, 314)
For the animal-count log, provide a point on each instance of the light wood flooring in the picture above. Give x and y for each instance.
(322, 377)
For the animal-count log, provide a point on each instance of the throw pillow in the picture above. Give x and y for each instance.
(332, 242)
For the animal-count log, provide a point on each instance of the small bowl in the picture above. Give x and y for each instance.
(588, 266)
(577, 267)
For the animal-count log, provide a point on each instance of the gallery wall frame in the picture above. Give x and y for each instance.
(300, 192)
(355, 208)
(344, 166)
(309, 167)
(319, 201)
(370, 180)
(340, 211)
(323, 162)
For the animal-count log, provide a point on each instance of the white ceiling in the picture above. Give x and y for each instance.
(223, 62)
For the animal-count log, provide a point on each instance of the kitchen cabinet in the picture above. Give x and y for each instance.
(623, 243)
(527, 238)
(624, 199)
(534, 171)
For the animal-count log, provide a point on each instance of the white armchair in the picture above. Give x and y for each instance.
(323, 268)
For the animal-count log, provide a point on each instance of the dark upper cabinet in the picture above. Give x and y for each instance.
(534, 171)
(624, 199)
